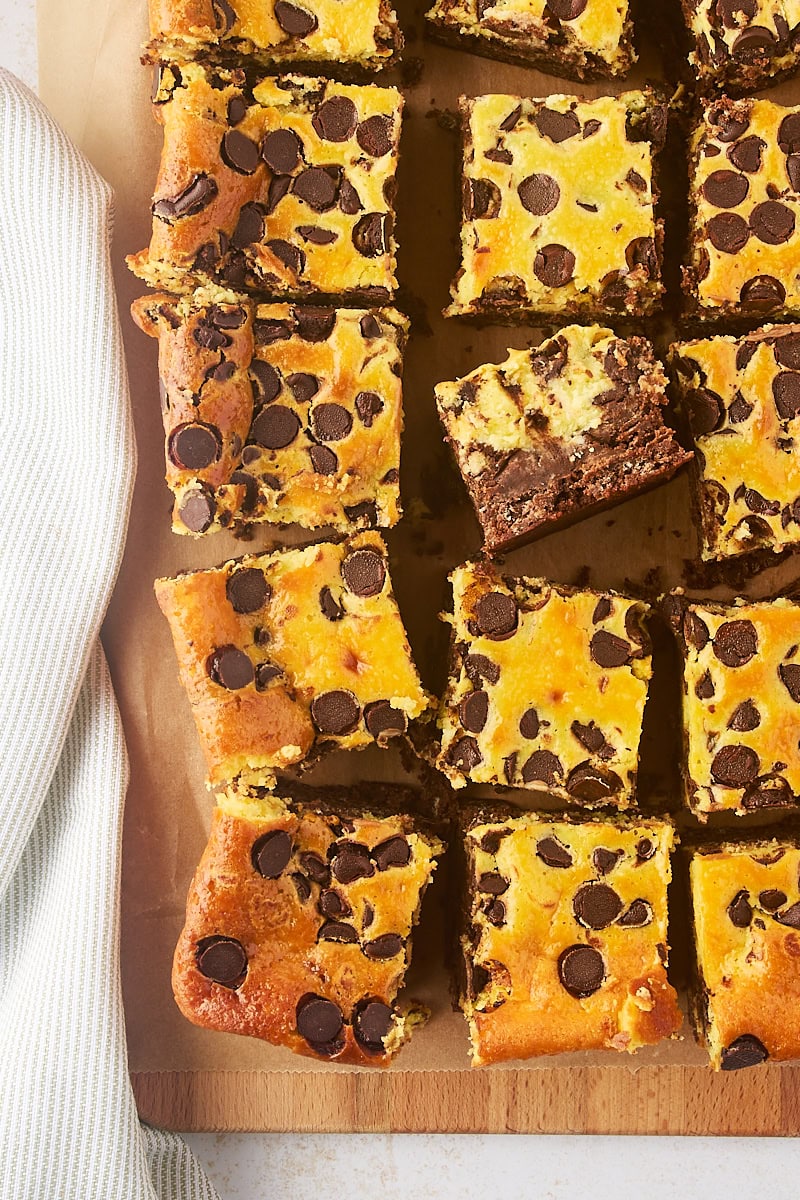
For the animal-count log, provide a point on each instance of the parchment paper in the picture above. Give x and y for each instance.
(92, 80)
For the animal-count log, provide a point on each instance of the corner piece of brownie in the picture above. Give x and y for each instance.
(742, 45)
(558, 432)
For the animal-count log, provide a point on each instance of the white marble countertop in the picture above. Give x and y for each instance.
(439, 1167)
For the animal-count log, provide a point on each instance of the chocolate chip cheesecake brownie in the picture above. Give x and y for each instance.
(559, 431)
(335, 33)
(299, 921)
(742, 45)
(741, 703)
(288, 654)
(547, 687)
(285, 188)
(742, 400)
(746, 920)
(565, 946)
(558, 206)
(579, 39)
(745, 243)
(278, 414)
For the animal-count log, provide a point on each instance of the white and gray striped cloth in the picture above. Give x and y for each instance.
(68, 1123)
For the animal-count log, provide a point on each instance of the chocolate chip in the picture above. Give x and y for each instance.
(314, 867)
(323, 460)
(768, 791)
(335, 120)
(590, 736)
(566, 10)
(349, 201)
(608, 650)
(772, 222)
(745, 717)
(195, 446)
(196, 196)
(592, 784)
(728, 11)
(331, 422)
(374, 135)
(638, 915)
(695, 630)
(318, 187)
(495, 912)
(473, 711)
(735, 766)
(786, 391)
(763, 292)
(271, 853)
(335, 712)
(725, 189)
(771, 899)
(740, 912)
(728, 232)
(704, 688)
(317, 235)
(297, 22)
(303, 386)
(388, 945)
(746, 1051)
(315, 324)
(370, 234)
(481, 199)
(237, 110)
(230, 667)
(786, 349)
(557, 126)
(464, 754)
(368, 405)
(554, 853)
(645, 849)
(492, 883)
(302, 887)
(370, 328)
(746, 154)
(753, 41)
(554, 265)
(739, 410)
(759, 504)
(279, 186)
(368, 915)
(247, 590)
(729, 127)
(275, 427)
(735, 643)
(282, 150)
(496, 615)
(790, 917)
(221, 959)
(331, 904)
(394, 852)
(364, 572)
(265, 673)
(365, 513)
(239, 152)
(478, 667)
(351, 861)
(543, 766)
(268, 332)
(793, 171)
(209, 338)
(224, 15)
(197, 511)
(331, 608)
(581, 970)
(790, 678)
(337, 931)
(539, 194)
(372, 1022)
(529, 724)
(291, 256)
(605, 860)
(319, 1021)
(383, 721)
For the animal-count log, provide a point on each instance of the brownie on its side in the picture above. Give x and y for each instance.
(557, 432)
(579, 39)
(746, 920)
(361, 33)
(547, 688)
(742, 400)
(741, 704)
(565, 944)
(558, 206)
(288, 654)
(298, 925)
(285, 188)
(278, 414)
(742, 45)
(745, 240)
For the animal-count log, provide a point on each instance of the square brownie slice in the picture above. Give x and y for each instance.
(299, 921)
(579, 39)
(288, 654)
(558, 206)
(744, 239)
(284, 188)
(278, 414)
(741, 692)
(565, 946)
(742, 45)
(746, 921)
(742, 398)
(547, 688)
(333, 33)
(559, 431)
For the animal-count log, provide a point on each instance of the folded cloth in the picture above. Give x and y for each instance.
(68, 1122)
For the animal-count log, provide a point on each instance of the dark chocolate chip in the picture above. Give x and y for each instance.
(739, 410)
(544, 767)
(239, 152)
(337, 931)
(349, 201)
(729, 127)
(492, 883)
(372, 1022)
(224, 15)
(745, 717)
(221, 959)
(265, 673)
(786, 391)
(365, 513)
(237, 110)
(731, 12)
(478, 667)
(374, 135)
(368, 404)
(581, 971)
(473, 711)
(554, 853)
(496, 615)
(247, 590)
(768, 791)
(529, 724)
(368, 915)
(394, 852)
(608, 650)
(364, 572)
(271, 853)
(197, 511)
(728, 232)
(315, 324)
(481, 199)
(704, 688)
(735, 643)
(370, 234)
(759, 504)
(495, 912)
(464, 754)
(291, 256)
(194, 446)
(695, 630)
(320, 1022)
(754, 41)
(196, 196)
(589, 736)
(314, 867)
(230, 667)
(331, 422)
(638, 915)
(539, 194)
(351, 861)
(566, 10)
(323, 460)
(209, 338)
(279, 186)
(297, 22)
(790, 678)
(282, 150)
(268, 332)
(592, 784)
(557, 126)
(335, 120)
(331, 904)
(726, 189)
(317, 235)
(335, 712)
(645, 849)
(786, 349)
(370, 328)
(771, 899)
(735, 766)
(275, 427)
(383, 721)
(762, 292)
(746, 154)
(740, 912)
(302, 887)
(317, 187)
(330, 606)
(388, 945)
(772, 222)
(790, 917)
(554, 265)
(602, 609)
(303, 386)
(605, 860)
(746, 1051)
(793, 171)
